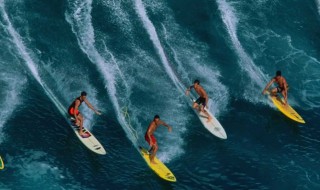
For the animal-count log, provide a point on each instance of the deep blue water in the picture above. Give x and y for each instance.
(140, 56)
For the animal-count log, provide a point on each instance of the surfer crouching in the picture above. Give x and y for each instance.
(281, 88)
(74, 112)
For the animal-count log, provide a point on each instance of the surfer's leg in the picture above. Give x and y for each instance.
(195, 105)
(150, 150)
(206, 113)
(283, 94)
(81, 123)
(77, 122)
(153, 154)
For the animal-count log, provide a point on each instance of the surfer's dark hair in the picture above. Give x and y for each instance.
(196, 81)
(83, 93)
(278, 73)
(156, 117)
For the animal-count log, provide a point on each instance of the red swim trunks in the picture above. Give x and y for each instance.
(152, 138)
(71, 112)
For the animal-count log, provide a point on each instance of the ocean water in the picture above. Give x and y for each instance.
(135, 59)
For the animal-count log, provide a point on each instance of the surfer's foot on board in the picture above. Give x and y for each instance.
(152, 160)
(209, 119)
(85, 135)
(81, 133)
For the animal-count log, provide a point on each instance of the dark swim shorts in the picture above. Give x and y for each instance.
(280, 89)
(202, 101)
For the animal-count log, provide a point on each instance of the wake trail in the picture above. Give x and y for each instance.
(10, 97)
(79, 18)
(141, 11)
(231, 21)
(175, 56)
(16, 39)
(318, 5)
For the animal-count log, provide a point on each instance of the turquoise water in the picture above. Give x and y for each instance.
(138, 57)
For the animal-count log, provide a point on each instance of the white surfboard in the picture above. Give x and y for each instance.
(213, 126)
(90, 142)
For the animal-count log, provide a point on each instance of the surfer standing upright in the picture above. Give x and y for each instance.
(149, 137)
(203, 99)
(74, 112)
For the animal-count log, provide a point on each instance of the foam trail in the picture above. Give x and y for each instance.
(79, 19)
(318, 5)
(140, 9)
(175, 57)
(10, 96)
(37, 167)
(16, 39)
(230, 20)
(196, 57)
(113, 59)
(199, 68)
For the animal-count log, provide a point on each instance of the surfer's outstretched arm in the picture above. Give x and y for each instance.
(166, 125)
(188, 90)
(91, 107)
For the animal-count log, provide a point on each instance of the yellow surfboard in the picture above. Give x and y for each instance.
(160, 169)
(286, 109)
(1, 163)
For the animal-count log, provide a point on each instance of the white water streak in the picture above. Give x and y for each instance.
(19, 44)
(81, 23)
(10, 99)
(156, 42)
(16, 39)
(231, 21)
(318, 5)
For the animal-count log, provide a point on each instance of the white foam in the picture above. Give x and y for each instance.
(19, 44)
(120, 16)
(191, 55)
(79, 17)
(300, 69)
(156, 42)
(60, 75)
(26, 56)
(187, 55)
(36, 167)
(318, 5)
(257, 78)
(11, 98)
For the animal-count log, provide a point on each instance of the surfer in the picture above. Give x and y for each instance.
(149, 137)
(202, 100)
(74, 111)
(281, 88)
